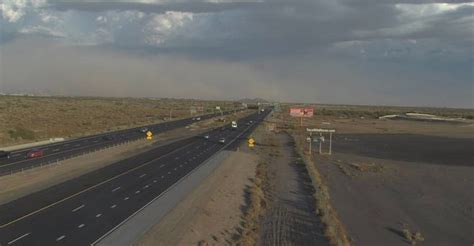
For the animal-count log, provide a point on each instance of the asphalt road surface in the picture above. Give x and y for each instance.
(67, 149)
(81, 210)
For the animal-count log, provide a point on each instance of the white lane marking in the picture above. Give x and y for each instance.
(113, 206)
(162, 165)
(55, 150)
(126, 198)
(80, 226)
(181, 165)
(78, 208)
(176, 158)
(169, 172)
(60, 238)
(162, 177)
(187, 152)
(116, 189)
(146, 186)
(18, 238)
(98, 215)
(136, 192)
(175, 169)
(154, 181)
(143, 175)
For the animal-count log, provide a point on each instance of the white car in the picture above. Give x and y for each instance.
(222, 140)
(206, 136)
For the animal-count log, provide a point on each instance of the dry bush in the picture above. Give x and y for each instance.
(257, 207)
(42, 118)
(367, 167)
(413, 238)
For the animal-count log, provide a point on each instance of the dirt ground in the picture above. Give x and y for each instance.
(212, 213)
(388, 179)
(291, 217)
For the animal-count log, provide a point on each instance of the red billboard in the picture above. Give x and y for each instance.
(301, 112)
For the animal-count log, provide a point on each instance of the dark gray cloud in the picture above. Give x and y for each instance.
(158, 8)
(327, 50)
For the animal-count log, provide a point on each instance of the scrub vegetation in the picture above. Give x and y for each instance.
(27, 118)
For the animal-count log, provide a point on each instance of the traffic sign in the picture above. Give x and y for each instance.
(149, 135)
(251, 142)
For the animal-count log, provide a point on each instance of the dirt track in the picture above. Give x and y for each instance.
(291, 219)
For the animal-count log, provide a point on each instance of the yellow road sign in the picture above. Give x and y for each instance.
(149, 135)
(251, 142)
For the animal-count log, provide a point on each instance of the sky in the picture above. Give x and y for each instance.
(376, 52)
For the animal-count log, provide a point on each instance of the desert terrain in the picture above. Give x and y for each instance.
(25, 119)
(396, 182)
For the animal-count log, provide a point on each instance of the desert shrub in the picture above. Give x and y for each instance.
(20, 132)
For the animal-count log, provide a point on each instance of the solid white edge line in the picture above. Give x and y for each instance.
(169, 188)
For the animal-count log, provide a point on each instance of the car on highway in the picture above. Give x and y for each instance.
(198, 118)
(206, 136)
(143, 129)
(4, 154)
(34, 153)
(107, 137)
(222, 140)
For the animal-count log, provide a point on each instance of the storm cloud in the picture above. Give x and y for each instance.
(352, 51)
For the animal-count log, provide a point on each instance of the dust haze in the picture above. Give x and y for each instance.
(52, 68)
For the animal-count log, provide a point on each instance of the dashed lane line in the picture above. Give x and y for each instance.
(78, 208)
(92, 187)
(60, 238)
(18, 238)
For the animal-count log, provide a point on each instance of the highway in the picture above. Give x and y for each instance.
(81, 210)
(74, 147)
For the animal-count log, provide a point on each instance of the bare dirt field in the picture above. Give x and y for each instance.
(26, 119)
(397, 182)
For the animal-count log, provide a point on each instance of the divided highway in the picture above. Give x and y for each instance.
(81, 210)
(67, 149)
